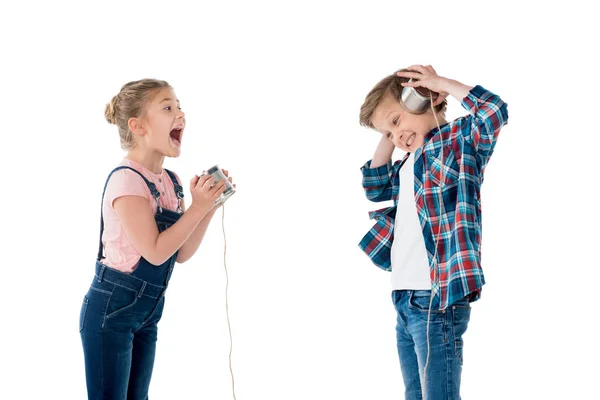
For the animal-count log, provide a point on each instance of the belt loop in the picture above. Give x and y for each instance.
(101, 273)
(141, 292)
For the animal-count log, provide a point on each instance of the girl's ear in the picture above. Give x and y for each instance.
(136, 126)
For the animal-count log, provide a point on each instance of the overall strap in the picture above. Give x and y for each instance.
(178, 189)
(151, 186)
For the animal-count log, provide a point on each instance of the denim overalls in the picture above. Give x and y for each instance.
(119, 316)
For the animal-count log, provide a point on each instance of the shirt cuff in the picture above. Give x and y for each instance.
(381, 171)
(475, 95)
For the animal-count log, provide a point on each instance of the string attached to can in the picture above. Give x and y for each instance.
(227, 299)
(437, 238)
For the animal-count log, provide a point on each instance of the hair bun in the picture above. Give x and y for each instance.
(111, 111)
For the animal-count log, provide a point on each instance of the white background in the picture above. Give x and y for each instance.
(272, 92)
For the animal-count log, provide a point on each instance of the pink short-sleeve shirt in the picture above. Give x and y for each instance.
(119, 252)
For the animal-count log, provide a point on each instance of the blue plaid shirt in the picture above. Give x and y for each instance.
(465, 145)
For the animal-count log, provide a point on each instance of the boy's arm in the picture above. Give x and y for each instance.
(383, 153)
(488, 115)
(488, 112)
(377, 173)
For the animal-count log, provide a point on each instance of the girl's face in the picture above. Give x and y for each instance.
(163, 124)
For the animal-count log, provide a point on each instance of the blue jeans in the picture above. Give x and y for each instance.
(446, 328)
(118, 327)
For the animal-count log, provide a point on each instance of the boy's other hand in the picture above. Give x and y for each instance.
(425, 76)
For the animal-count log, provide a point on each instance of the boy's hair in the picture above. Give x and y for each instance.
(129, 103)
(392, 85)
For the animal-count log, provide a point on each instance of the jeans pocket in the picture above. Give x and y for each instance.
(120, 300)
(83, 311)
(420, 300)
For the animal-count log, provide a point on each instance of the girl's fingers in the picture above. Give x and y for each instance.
(203, 179)
(219, 189)
(209, 184)
(194, 181)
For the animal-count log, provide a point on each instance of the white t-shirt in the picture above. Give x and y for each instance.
(410, 266)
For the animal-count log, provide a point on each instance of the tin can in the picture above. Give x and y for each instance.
(416, 100)
(218, 175)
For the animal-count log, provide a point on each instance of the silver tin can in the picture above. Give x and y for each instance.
(218, 175)
(416, 100)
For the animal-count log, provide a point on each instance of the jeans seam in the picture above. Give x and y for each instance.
(450, 350)
(84, 312)
(456, 340)
(106, 308)
(152, 312)
(100, 290)
(446, 327)
(102, 360)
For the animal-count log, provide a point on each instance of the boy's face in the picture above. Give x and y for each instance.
(407, 131)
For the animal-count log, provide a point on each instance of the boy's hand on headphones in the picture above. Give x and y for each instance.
(205, 192)
(425, 76)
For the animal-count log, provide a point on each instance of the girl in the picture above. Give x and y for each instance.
(143, 231)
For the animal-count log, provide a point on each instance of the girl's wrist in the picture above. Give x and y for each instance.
(199, 210)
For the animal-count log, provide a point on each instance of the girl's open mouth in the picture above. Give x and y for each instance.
(176, 136)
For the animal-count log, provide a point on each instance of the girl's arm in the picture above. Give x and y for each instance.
(137, 220)
(192, 244)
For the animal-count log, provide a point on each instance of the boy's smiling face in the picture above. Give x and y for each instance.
(407, 131)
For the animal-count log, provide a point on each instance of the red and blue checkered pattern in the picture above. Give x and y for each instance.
(451, 163)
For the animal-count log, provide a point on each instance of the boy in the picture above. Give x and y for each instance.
(430, 238)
